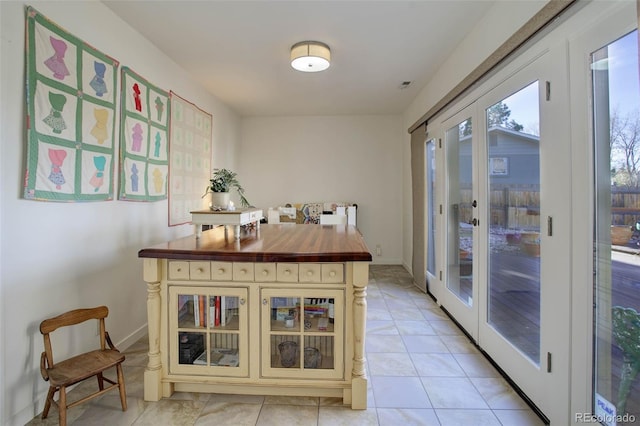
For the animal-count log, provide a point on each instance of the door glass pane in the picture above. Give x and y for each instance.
(460, 196)
(218, 316)
(303, 336)
(192, 318)
(223, 347)
(513, 145)
(616, 99)
(431, 209)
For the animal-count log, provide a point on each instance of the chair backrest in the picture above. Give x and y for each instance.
(74, 317)
(333, 219)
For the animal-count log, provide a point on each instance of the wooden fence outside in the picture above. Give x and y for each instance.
(519, 208)
(510, 208)
(625, 205)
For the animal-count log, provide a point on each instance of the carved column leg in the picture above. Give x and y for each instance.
(153, 372)
(358, 374)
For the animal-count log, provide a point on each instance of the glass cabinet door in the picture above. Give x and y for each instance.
(302, 333)
(210, 330)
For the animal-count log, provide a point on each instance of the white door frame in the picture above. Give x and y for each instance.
(611, 23)
(546, 385)
(463, 313)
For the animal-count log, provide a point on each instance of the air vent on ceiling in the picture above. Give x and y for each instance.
(405, 84)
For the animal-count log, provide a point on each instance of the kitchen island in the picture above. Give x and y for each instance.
(275, 310)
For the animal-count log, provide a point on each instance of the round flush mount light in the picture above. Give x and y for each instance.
(310, 56)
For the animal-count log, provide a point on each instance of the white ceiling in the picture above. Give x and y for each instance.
(239, 50)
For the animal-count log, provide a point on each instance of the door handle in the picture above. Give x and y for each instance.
(474, 203)
(475, 222)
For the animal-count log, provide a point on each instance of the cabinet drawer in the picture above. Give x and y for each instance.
(221, 271)
(287, 272)
(178, 270)
(200, 270)
(265, 272)
(242, 271)
(310, 273)
(332, 273)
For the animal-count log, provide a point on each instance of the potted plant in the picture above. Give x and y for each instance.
(221, 183)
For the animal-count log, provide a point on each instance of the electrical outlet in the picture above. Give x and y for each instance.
(378, 250)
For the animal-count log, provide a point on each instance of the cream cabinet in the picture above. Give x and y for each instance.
(282, 328)
(268, 310)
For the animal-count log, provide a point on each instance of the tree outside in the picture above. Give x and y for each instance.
(625, 148)
(497, 115)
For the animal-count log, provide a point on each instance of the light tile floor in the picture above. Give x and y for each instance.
(422, 371)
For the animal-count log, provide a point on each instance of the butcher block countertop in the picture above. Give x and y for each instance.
(286, 242)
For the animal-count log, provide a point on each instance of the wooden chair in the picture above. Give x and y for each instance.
(65, 373)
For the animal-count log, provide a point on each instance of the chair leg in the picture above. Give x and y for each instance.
(47, 404)
(100, 381)
(62, 406)
(123, 393)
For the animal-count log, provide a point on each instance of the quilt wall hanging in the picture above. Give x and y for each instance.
(71, 99)
(190, 159)
(144, 143)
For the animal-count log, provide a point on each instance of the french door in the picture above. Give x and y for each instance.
(507, 274)
(460, 295)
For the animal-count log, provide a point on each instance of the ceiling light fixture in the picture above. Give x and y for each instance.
(310, 56)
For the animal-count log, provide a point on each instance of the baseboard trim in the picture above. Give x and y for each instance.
(513, 384)
(132, 338)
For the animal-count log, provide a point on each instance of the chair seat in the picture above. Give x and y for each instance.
(80, 367)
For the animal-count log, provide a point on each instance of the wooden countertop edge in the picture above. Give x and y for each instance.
(255, 257)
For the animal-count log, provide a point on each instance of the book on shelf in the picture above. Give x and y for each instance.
(282, 302)
(201, 301)
(231, 308)
(219, 357)
(315, 311)
(185, 309)
(285, 311)
(196, 310)
(221, 310)
(217, 311)
(315, 308)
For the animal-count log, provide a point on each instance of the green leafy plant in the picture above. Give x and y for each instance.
(224, 180)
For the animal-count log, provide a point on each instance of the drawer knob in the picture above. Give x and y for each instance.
(309, 273)
(179, 269)
(200, 270)
(265, 302)
(220, 271)
(332, 274)
(265, 272)
(242, 301)
(287, 271)
(243, 271)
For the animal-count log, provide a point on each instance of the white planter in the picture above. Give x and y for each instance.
(220, 200)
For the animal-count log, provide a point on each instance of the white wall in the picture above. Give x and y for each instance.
(330, 158)
(493, 29)
(56, 256)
